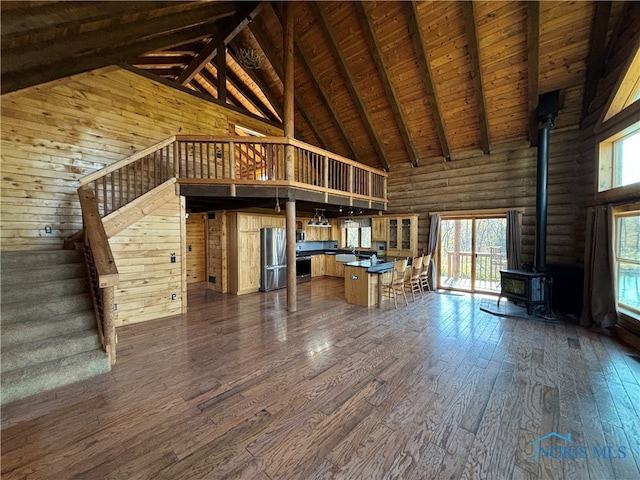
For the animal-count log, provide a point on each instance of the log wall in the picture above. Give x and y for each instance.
(505, 180)
(56, 133)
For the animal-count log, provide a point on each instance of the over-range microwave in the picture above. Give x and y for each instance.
(300, 235)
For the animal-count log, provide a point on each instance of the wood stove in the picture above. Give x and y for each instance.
(534, 288)
(528, 287)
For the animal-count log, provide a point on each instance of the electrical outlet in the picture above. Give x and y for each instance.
(173, 258)
(115, 306)
(212, 279)
(47, 229)
(174, 296)
(189, 247)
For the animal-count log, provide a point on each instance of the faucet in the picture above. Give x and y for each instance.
(353, 249)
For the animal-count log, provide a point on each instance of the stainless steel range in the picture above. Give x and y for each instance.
(303, 268)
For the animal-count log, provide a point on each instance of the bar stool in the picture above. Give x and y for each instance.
(424, 274)
(396, 285)
(414, 279)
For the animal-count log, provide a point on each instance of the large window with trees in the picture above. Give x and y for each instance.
(472, 252)
(627, 261)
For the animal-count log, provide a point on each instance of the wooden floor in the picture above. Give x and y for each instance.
(238, 388)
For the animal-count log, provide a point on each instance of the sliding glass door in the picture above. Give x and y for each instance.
(472, 253)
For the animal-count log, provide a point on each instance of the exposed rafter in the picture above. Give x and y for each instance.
(425, 68)
(251, 97)
(376, 53)
(476, 73)
(323, 22)
(533, 61)
(221, 69)
(597, 49)
(324, 96)
(213, 81)
(31, 63)
(276, 63)
(240, 20)
(271, 98)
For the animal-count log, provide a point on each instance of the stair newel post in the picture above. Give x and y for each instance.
(109, 323)
(176, 158)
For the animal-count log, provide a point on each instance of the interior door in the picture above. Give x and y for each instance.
(196, 250)
(472, 253)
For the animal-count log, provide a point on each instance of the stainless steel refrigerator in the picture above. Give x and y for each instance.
(273, 259)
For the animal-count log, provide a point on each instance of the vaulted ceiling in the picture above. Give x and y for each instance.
(383, 83)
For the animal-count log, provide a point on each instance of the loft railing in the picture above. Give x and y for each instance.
(103, 273)
(239, 160)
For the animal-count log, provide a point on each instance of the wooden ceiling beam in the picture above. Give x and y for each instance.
(37, 63)
(533, 66)
(597, 50)
(240, 20)
(214, 82)
(425, 68)
(250, 96)
(26, 20)
(306, 65)
(350, 81)
(276, 64)
(268, 93)
(221, 68)
(383, 72)
(471, 26)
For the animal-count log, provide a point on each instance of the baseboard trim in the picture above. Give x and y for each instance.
(628, 337)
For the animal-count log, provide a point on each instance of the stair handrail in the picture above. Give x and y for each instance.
(102, 268)
(234, 160)
(126, 161)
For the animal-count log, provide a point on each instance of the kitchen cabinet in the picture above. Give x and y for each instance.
(317, 266)
(379, 227)
(333, 268)
(273, 221)
(243, 248)
(402, 236)
(317, 234)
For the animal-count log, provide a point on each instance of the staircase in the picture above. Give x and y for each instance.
(48, 329)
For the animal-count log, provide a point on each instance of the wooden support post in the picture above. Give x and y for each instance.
(109, 323)
(292, 287)
(290, 206)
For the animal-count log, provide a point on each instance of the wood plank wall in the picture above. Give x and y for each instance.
(217, 252)
(196, 248)
(143, 253)
(56, 133)
(505, 179)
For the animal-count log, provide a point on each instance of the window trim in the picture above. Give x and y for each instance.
(628, 313)
(620, 126)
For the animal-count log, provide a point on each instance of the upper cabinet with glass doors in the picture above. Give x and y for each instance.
(402, 239)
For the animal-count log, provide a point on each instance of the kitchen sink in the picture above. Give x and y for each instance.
(345, 257)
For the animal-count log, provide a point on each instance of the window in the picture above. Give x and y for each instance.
(358, 237)
(626, 159)
(627, 262)
(619, 159)
(618, 149)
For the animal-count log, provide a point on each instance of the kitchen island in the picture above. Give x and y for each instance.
(363, 281)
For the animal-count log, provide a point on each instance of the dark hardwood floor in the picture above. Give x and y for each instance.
(238, 388)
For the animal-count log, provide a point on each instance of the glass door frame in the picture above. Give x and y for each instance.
(473, 217)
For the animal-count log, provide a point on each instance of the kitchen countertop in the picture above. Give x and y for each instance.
(379, 266)
(359, 253)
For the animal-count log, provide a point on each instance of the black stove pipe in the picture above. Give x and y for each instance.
(540, 258)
